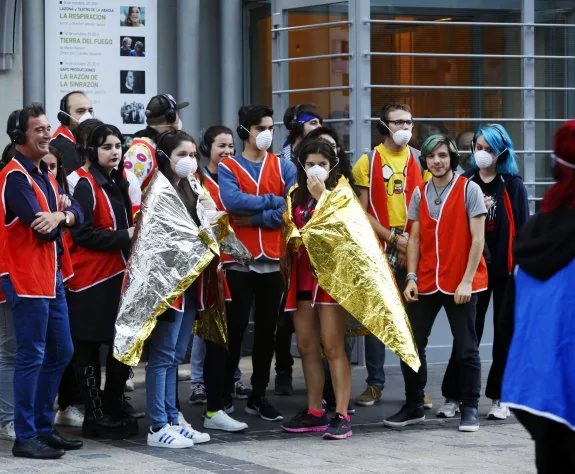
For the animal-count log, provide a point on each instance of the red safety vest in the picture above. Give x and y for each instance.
(377, 205)
(32, 265)
(65, 132)
(95, 266)
(214, 190)
(445, 244)
(259, 241)
(152, 149)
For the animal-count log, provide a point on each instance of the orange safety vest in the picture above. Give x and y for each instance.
(214, 190)
(259, 241)
(95, 266)
(152, 149)
(445, 244)
(32, 266)
(65, 132)
(377, 205)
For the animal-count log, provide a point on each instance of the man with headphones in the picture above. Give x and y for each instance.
(75, 107)
(387, 179)
(161, 116)
(253, 187)
(446, 269)
(34, 265)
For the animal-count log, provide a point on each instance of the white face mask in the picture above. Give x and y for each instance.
(264, 140)
(318, 171)
(85, 116)
(401, 137)
(185, 167)
(483, 159)
(180, 125)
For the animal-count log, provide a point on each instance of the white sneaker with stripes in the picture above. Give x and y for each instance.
(167, 437)
(196, 436)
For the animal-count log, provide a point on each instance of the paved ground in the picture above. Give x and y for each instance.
(436, 447)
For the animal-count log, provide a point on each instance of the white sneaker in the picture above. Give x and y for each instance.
(130, 385)
(7, 431)
(71, 416)
(196, 436)
(498, 411)
(448, 410)
(168, 438)
(181, 420)
(222, 421)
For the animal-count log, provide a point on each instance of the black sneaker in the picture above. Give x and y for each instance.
(198, 395)
(329, 407)
(305, 422)
(263, 409)
(406, 416)
(35, 449)
(283, 384)
(241, 392)
(469, 421)
(339, 428)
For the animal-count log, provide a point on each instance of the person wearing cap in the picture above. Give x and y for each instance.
(387, 179)
(161, 116)
(538, 318)
(75, 107)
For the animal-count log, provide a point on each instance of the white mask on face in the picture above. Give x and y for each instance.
(264, 140)
(85, 116)
(401, 137)
(186, 166)
(483, 159)
(318, 171)
(180, 125)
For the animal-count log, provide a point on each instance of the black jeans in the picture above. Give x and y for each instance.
(68, 393)
(284, 359)
(461, 318)
(214, 377)
(450, 385)
(265, 291)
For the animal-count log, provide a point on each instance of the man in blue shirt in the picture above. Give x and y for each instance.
(253, 187)
(33, 263)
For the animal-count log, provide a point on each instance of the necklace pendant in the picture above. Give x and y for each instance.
(438, 202)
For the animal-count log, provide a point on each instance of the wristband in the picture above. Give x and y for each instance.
(411, 277)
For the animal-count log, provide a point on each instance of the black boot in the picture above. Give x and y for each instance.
(115, 403)
(96, 423)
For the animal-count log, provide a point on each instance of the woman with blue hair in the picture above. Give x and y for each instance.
(494, 169)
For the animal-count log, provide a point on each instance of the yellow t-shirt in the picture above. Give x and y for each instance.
(394, 170)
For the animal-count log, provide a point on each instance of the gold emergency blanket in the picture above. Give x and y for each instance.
(350, 265)
(168, 254)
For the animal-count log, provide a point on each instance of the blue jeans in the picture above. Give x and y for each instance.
(197, 361)
(7, 364)
(43, 350)
(374, 361)
(167, 349)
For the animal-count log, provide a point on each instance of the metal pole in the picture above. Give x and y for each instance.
(280, 71)
(231, 61)
(32, 51)
(528, 48)
(188, 67)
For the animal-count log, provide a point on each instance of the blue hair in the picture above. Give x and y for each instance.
(498, 140)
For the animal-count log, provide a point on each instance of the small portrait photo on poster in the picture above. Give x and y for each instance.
(132, 16)
(133, 113)
(133, 46)
(132, 82)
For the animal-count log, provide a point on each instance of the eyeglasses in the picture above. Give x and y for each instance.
(401, 123)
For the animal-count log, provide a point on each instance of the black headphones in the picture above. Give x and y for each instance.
(381, 128)
(93, 150)
(205, 149)
(62, 117)
(170, 114)
(295, 127)
(243, 132)
(17, 133)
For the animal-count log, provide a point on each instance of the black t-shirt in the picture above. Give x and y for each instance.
(489, 191)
